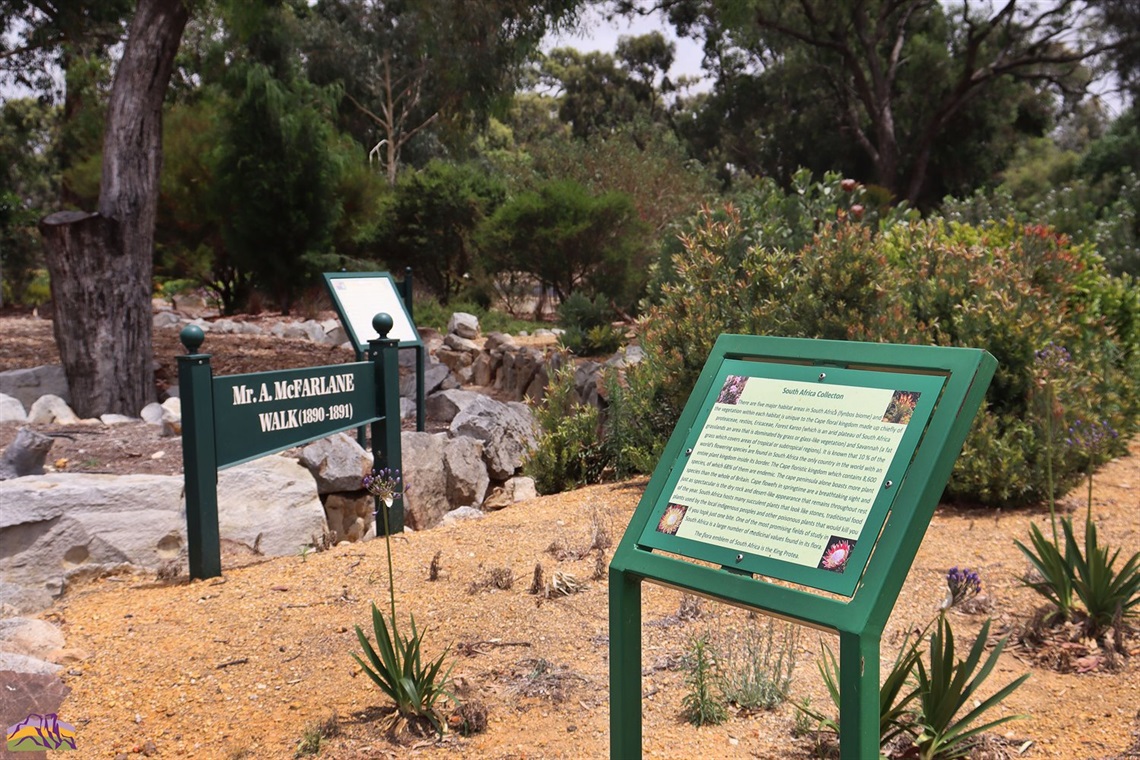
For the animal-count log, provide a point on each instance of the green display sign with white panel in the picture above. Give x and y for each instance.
(799, 481)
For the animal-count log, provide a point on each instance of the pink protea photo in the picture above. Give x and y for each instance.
(836, 555)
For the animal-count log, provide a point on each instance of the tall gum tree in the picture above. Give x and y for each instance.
(101, 263)
(860, 51)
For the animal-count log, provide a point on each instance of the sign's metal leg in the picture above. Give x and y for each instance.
(858, 696)
(625, 665)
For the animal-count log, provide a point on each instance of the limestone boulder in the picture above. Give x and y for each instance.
(444, 405)
(507, 430)
(514, 490)
(12, 409)
(58, 524)
(52, 409)
(29, 636)
(349, 516)
(425, 499)
(29, 384)
(467, 478)
(338, 463)
(464, 325)
(272, 504)
(437, 377)
(462, 514)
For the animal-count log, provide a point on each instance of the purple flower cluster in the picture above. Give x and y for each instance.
(1052, 358)
(963, 584)
(384, 484)
(1091, 438)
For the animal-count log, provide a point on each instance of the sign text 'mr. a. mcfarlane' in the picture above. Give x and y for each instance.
(269, 411)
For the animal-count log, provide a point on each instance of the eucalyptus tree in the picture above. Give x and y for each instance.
(101, 263)
(409, 67)
(895, 81)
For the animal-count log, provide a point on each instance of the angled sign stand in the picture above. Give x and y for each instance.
(799, 481)
(357, 296)
(231, 419)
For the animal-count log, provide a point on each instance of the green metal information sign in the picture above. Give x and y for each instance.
(265, 412)
(789, 471)
(233, 419)
(805, 473)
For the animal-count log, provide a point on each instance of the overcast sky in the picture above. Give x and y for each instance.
(595, 33)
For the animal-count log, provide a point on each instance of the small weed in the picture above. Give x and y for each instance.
(600, 565)
(496, 578)
(539, 677)
(690, 607)
(315, 734)
(469, 718)
(802, 724)
(703, 704)
(563, 584)
(433, 569)
(536, 584)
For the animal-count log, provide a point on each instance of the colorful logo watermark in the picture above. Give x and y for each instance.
(36, 733)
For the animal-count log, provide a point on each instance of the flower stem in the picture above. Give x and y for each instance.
(388, 547)
(1049, 455)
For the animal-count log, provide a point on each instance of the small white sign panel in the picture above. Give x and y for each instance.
(362, 298)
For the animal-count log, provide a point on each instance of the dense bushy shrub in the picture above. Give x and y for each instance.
(587, 325)
(569, 450)
(1008, 288)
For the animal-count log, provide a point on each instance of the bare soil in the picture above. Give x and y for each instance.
(248, 664)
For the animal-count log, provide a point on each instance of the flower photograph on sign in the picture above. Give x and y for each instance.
(733, 388)
(901, 408)
(671, 519)
(837, 553)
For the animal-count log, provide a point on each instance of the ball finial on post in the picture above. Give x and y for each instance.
(192, 337)
(382, 323)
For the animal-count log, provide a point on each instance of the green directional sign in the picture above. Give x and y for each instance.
(264, 412)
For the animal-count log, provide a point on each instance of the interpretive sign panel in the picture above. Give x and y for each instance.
(359, 296)
(264, 412)
(799, 481)
(790, 470)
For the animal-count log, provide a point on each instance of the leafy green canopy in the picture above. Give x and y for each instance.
(1009, 288)
(275, 177)
(568, 238)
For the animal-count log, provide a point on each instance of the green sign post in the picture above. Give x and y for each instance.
(802, 475)
(233, 419)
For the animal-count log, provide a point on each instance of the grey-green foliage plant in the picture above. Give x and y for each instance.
(758, 666)
(703, 704)
(397, 663)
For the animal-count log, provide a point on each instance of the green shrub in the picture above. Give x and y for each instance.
(1004, 287)
(569, 451)
(637, 422)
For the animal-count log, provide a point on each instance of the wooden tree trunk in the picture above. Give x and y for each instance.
(102, 264)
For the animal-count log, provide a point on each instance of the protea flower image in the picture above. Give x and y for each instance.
(671, 520)
(836, 555)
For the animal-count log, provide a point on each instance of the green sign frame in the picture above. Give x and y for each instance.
(237, 418)
(910, 473)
